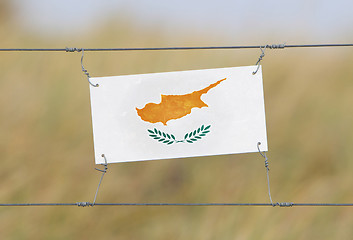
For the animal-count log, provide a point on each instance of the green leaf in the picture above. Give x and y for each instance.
(194, 133)
(186, 135)
(172, 136)
(207, 127)
(166, 141)
(150, 131)
(197, 137)
(168, 136)
(156, 138)
(202, 127)
(152, 135)
(161, 140)
(190, 134)
(189, 141)
(198, 130)
(202, 135)
(159, 132)
(170, 142)
(164, 135)
(193, 139)
(206, 132)
(156, 131)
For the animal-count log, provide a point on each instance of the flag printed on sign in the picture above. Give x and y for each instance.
(178, 114)
(175, 107)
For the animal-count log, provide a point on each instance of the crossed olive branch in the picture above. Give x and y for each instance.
(188, 138)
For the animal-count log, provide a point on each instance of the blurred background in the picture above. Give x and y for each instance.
(46, 145)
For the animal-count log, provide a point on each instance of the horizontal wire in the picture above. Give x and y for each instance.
(273, 46)
(85, 204)
(36, 204)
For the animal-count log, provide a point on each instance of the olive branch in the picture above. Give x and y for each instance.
(169, 139)
(162, 136)
(197, 134)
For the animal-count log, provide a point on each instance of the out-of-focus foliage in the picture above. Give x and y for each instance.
(46, 146)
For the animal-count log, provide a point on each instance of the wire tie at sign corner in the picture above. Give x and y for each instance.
(88, 204)
(263, 154)
(258, 63)
(105, 164)
(263, 48)
(85, 71)
(74, 49)
(103, 172)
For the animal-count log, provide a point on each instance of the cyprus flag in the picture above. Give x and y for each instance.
(178, 114)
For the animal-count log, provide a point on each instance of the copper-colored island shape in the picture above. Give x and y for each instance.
(174, 106)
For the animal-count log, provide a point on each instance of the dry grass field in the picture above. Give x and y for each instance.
(46, 146)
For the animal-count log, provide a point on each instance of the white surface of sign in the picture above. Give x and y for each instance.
(178, 114)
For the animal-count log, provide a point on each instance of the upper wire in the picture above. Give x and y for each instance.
(273, 46)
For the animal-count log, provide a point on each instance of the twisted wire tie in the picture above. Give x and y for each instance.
(84, 204)
(283, 204)
(263, 154)
(273, 46)
(276, 46)
(103, 172)
(67, 49)
(260, 59)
